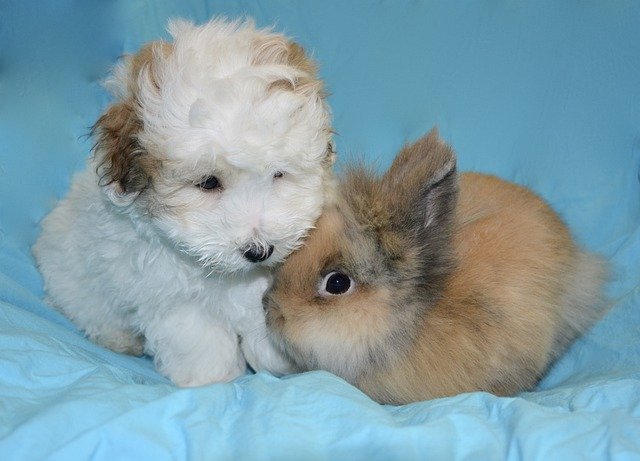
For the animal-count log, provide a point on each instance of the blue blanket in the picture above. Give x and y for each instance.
(543, 93)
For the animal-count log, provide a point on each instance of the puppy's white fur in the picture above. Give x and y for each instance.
(140, 256)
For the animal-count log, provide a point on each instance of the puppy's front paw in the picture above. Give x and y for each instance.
(202, 378)
(187, 374)
(261, 354)
(191, 350)
(122, 341)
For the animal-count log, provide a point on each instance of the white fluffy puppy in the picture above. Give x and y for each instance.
(211, 166)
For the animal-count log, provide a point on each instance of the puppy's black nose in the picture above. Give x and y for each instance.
(255, 253)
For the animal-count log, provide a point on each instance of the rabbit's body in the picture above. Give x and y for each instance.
(454, 284)
(520, 292)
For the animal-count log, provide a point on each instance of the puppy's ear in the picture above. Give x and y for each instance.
(310, 83)
(421, 187)
(296, 57)
(277, 49)
(125, 168)
(120, 157)
(143, 67)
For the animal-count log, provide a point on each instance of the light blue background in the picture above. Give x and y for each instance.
(545, 93)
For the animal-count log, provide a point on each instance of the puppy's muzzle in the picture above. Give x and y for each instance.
(257, 253)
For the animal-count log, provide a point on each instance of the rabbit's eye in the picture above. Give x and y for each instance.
(336, 283)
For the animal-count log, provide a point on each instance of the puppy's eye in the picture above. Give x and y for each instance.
(336, 283)
(278, 174)
(209, 183)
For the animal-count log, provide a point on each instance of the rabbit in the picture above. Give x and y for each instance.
(423, 283)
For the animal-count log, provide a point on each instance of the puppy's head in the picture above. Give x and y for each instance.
(221, 141)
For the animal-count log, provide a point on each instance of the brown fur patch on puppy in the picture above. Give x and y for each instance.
(279, 50)
(122, 160)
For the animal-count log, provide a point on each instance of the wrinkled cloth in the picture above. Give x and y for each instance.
(546, 94)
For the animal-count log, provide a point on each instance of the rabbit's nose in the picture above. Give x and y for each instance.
(257, 253)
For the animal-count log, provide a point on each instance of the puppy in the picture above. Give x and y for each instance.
(208, 169)
(422, 284)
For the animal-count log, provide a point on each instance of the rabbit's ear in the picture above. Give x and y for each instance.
(421, 185)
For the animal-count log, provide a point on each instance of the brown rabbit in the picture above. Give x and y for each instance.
(421, 284)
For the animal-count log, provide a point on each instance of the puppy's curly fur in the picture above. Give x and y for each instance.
(209, 168)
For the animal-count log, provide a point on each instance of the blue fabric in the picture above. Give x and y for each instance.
(544, 93)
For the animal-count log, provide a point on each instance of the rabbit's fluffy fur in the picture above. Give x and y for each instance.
(455, 283)
(209, 168)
